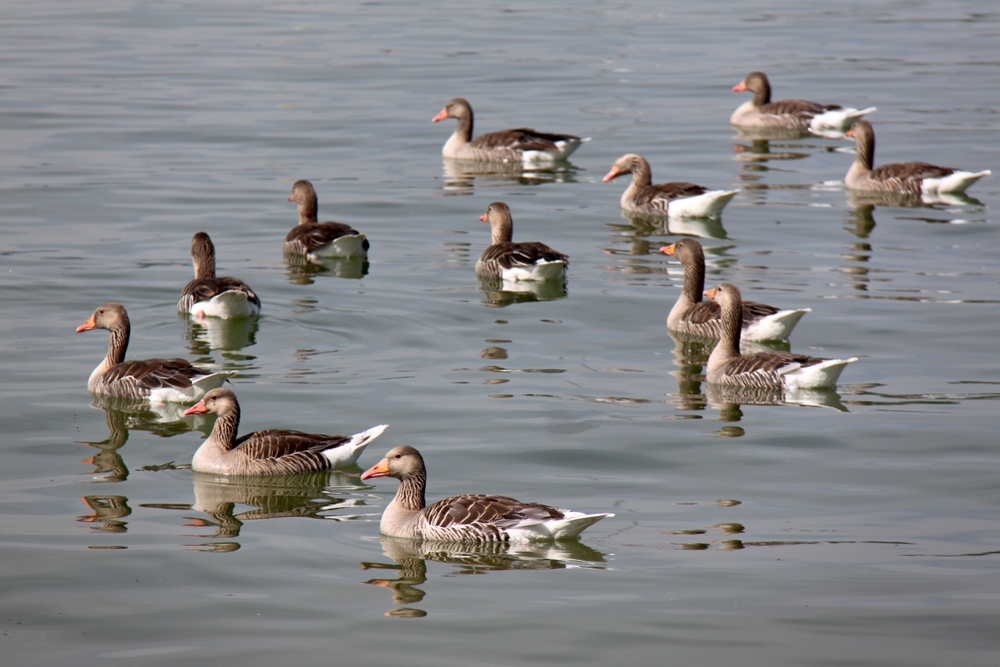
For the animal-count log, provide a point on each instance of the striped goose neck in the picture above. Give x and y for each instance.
(503, 229)
(411, 491)
(762, 95)
(204, 266)
(307, 210)
(463, 130)
(694, 278)
(732, 324)
(226, 427)
(642, 175)
(866, 148)
(118, 344)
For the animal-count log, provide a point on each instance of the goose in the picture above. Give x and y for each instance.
(211, 296)
(695, 316)
(675, 199)
(270, 452)
(468, 517)
(517, 145)
(903, 177)
(152, 380)
(761, 112)
(320, 239)
(516, 261)
(782, 370)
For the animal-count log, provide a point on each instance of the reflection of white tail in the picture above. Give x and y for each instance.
(838, 120)
(348, 453)
(824, 374)
(570, 526)
(708, 205)
(774, 327)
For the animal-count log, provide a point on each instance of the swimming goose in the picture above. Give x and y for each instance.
(695, 316)
(468, 517)
(270, 452)
(516, 261)
(762, 369)
(153, 380)
(761, 112)
(675, 199)
(517, 145)
(905, 177)
(323, 239)
(211, 296)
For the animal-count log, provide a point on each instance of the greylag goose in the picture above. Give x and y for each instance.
(270, 452)
(761, 112)
(516, 261)
(904, 177)
(153, 380)
(517, 145)
(211, 296)
(675, 199)
(320, 239)
(762, 369)
(468, 517)
(691, 314)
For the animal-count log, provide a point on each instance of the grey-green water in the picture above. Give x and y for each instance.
(863, 536)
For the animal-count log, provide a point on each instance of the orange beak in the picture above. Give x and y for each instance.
(849, 133)
(88, 325)
(380, 469)
(197, 409)
(441, 115)
(291, 198)
(484, 217)
(740, 87)
(710, 293)
(614, 173)
(669, 249)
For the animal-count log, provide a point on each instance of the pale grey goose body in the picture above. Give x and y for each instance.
(320, 239)
(761, 112)
(521, 144)
(153, 380)
(468, 517)
(693, 315)
(209, 295)
(762, 369)
(675, 199)
(512, 261)
(903, 177)
(269, 452)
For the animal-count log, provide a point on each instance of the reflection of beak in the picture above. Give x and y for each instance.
(197, 409)
(484, 217)
(669, 249)
(380, 469)
(441, 115)
(88, 325)
(740, 87)
(614, 173)
(710, 293)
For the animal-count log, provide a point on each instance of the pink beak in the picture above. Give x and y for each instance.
(197, 409)
(614, 173)
(740, 87)
(441, 115)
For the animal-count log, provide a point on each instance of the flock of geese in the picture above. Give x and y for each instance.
(725, 316)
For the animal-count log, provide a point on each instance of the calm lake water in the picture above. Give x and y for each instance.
(860, 533)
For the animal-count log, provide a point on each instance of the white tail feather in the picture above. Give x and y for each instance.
(707, 205)
(774, 327)
(348, 453)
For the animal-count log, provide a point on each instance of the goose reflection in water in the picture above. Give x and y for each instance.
(270, 497)
(502, 293)
(212, 333)
(861, 221)
(760, 150)
(411, 558)
(125, 415)
(644, 224)
(107, 510)
(302, 269)
(462, 176)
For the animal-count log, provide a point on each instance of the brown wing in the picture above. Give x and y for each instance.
(482, 509)
(316, 235)
(767, 361)
(280, 443)
(909, 170)
(155, 373)
(802, 108)
(511, 254)
(522, 138)
(203, 289)
(668, 191)
(705, 311)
